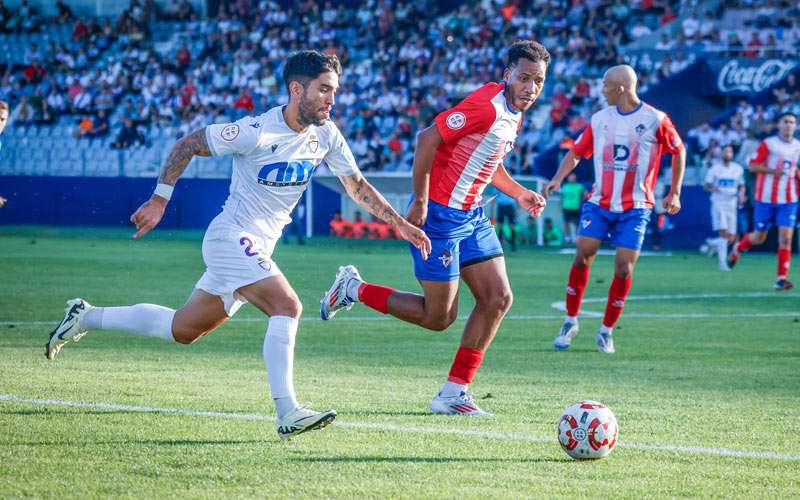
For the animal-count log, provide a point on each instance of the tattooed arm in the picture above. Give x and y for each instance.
(149, 214)
(194, 144)
(363, 193)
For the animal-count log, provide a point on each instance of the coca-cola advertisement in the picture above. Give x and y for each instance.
(749, 76)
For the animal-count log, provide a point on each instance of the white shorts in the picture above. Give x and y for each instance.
(723, 217)
(234, 258)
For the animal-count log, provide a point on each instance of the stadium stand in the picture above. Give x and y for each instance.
(170, 72)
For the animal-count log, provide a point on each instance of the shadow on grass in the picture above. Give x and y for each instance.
(43, 412)
(431, 460)
(157, 442)
(371, 413)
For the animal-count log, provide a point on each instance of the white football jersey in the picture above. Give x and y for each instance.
(726, 180)
(272, 164)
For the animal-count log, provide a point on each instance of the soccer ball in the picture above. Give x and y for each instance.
(587, 430)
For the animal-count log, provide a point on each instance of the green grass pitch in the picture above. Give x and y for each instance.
(706, 389)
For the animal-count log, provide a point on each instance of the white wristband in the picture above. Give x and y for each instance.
(164, 191)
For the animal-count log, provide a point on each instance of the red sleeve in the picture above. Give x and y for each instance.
(668, 137)
(762, 153)
(584, 146)
(475, 114)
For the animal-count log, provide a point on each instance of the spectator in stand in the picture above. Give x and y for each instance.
(99, 125)
(702, 137)
(339, 227)
(358, 226)
(572, 195)
(507, 215)
(23, 115)
(128, 135)
(85, 127)
(377, 229)
(553, 235)
(754, 46)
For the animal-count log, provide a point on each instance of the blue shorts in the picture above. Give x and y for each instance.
(459, 238)
(622, 229)
(765, 215)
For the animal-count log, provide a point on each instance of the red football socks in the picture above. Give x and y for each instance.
(465, 365)
(784, 259)
(375, 296)
(578, 277)
(744, 244)
(617, 293)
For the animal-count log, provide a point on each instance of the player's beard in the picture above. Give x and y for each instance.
(308, 113)
(514, 100)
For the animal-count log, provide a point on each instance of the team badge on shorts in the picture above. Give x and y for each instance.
(229, 132)
(456, 120)
(446, 258)
(585, 223)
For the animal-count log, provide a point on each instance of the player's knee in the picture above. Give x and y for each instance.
(291, 307)
(502, 300)
(623, 271)
(583, 260)
(440, 321)
(499, 301)
(438, 324)
(186, 335)
(758, 238)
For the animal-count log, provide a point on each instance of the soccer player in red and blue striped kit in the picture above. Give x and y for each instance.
(627, 139)
(776, 192)
(455, 159)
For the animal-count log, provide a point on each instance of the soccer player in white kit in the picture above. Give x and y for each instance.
(725, 181)
(275, 155)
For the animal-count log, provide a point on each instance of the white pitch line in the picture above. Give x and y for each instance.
(508, 436)
(562, 306)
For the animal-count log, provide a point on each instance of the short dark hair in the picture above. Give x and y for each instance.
(787, 113)
(527, 49)
(3, 105)
(306, 65)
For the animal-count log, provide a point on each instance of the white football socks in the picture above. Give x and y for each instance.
(606, 330)
(571, 319)
(450, 389)
(279, 360)
(149, 320)
(722, 251)
(352, 289)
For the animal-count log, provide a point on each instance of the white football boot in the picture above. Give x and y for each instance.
(463, 404)
(303, 419)
(337, 299)
(564, 338)
(605, 342)
(69, 329)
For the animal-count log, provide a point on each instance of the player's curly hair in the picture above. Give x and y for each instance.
(527, 49)
(306, 65)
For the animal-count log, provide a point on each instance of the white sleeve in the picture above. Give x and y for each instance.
(710, 176)
(239, 137)
(339, 158)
